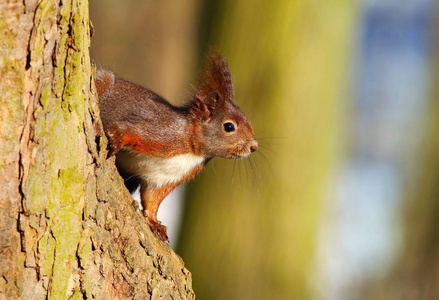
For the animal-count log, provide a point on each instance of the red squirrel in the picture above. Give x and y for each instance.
(165, 145)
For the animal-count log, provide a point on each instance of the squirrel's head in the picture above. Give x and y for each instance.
(223, 128)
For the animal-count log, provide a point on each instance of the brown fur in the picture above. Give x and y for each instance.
(138, 119)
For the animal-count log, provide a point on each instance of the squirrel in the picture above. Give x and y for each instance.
(165, 145)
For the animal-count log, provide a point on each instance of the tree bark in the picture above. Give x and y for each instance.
(69, 228)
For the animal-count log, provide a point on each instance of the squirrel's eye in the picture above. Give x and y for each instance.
(229, 127)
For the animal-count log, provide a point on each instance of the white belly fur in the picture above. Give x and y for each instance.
(158, 171)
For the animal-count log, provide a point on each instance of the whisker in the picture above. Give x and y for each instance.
(270, 140)
(260, 138)
(265, 159)
(246, 167)
(126, 179)
(268, 149)
(240, 176)
(257, 168)
(233, 172)
(252, 168)
(213, 166)
(261, 154)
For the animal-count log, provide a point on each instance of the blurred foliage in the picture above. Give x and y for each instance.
(250, 227)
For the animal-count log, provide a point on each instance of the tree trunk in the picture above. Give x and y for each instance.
(69, 228)
(415, 272)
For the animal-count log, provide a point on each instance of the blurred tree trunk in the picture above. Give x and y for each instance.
(289, 60)
(148, 42)
(418, 270)
(68, 228)
(415, 274)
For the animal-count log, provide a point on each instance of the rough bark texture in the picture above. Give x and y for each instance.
(68, 227)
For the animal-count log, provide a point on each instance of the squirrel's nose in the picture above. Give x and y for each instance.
(254, 146)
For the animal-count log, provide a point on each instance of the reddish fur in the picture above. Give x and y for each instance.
(194, 131)
(151, 200)
(140, 120)
(126, 137)
(105, 82)
(216, 77)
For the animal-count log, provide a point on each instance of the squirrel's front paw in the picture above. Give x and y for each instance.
(115, 140)
(159, 229)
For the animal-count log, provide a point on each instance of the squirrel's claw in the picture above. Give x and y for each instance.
(158, 228)
(115, 140)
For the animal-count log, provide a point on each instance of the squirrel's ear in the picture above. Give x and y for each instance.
(206, 106)
(212, 101)
(216, 78)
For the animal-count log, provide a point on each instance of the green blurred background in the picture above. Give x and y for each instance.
(341, 199)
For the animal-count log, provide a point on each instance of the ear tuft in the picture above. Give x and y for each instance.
(216, 78)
